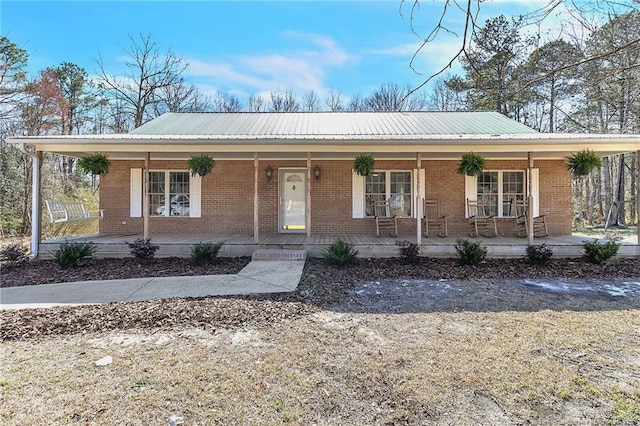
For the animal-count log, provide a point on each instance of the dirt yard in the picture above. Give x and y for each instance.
(388, 351)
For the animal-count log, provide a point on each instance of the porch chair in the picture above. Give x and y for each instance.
(479, 222)
(433, 221)
(385, 221)
(522, 224)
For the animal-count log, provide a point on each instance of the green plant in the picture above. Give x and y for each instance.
(471, 164)
(143, 249)
(363, 164)
(73, 255)
(204, 253)
(340, 253)
(538, 255)
(580, 164)
(470, 252)
(597, 252)
(14, 254)
(409, 251)
(200, 164)
(96, 164)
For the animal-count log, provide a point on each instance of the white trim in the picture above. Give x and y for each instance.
(470, 192)
(135, 193)
(195, 196)
(357, 196)
(535, 191)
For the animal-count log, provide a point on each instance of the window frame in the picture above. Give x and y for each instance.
(387, 193)
(136, 193)
(167, 193)
(500, 185)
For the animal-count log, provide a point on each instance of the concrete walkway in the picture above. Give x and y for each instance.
(259, 276)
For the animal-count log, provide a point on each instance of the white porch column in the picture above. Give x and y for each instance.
(530, 199)
(36, 202)
(256, 222)
(145, 196)
(308, 202)
(419, 201)
(638, 195)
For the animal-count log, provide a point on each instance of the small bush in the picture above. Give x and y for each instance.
(538, 255)
(143, 249)
(597, 252)
(409, 251)
(74, 255)
(470, 252)
(14, 254)
(205, 253)
(340, 253)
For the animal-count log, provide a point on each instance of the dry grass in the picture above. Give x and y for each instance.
(331, 368)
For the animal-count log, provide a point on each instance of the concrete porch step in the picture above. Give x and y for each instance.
(279, 254)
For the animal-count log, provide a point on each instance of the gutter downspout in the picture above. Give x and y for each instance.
(35, 200)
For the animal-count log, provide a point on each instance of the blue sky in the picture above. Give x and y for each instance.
(246, 47)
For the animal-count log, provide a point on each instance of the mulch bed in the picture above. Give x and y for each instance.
(321, 286)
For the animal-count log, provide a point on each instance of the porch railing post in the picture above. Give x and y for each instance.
(145, 196)
(419, 201)
(256, 222)
(530, 199)
(308, 209)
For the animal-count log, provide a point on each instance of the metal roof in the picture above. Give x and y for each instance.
(329, 125)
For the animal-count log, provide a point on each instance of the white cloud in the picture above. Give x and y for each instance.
(299, 70)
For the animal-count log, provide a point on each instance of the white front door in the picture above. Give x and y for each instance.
(293, 200)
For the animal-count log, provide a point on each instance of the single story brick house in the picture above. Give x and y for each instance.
(293, 172)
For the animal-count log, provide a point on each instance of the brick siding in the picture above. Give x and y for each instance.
(228, 194)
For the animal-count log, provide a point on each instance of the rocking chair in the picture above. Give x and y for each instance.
(479, 222)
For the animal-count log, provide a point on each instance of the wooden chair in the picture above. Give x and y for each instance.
(433, 221)
(385, 221)
(479, 222)
(522, 224)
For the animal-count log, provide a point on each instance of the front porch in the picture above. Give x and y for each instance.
(367, 245)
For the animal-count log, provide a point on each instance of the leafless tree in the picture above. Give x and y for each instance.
(310, 101)
(148, 72)
(256, 103)
(333, 100)
(284, 102)
(224, 102)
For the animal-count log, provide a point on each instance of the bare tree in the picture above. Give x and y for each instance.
(148, 72)
(180, 97)
(284, 102)
(224, 102)
(333, 100)
(256, 103)
(310, 101)
(356, 103)
(391, 97)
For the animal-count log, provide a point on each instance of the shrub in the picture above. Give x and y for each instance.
(538, 255)
(73, 255)
(340, 253)
(597, 252)
(14, 254)
(204, 253)
(470, 252)
(143, 249)
(408, 251)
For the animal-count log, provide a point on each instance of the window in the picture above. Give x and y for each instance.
(498, 191)
(169, 193)
(394, 186)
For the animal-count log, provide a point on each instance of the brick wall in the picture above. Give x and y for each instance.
(228, 194)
